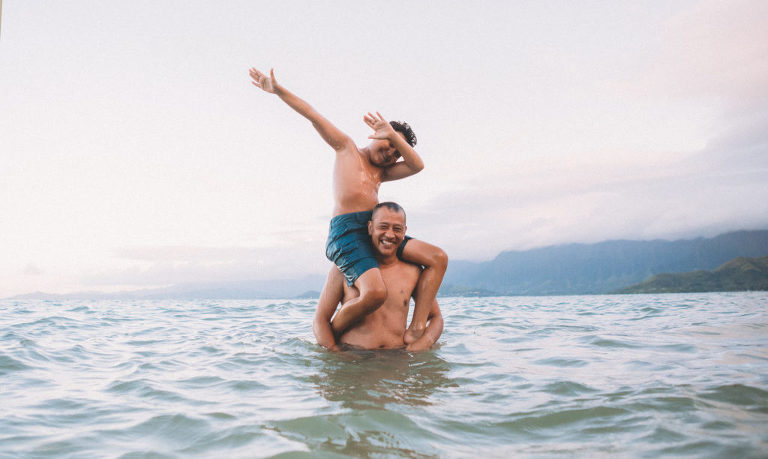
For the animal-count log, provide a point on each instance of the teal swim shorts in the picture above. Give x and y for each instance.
(349, 245)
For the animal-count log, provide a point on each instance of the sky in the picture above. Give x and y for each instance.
(136, 153)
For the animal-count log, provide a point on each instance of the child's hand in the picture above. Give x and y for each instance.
(268, 84)
(383, 130)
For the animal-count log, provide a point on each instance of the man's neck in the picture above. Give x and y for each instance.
(384, 261)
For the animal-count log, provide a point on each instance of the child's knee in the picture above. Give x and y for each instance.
(375, 297)
(378, 294)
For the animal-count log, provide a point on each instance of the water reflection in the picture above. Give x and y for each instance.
(365, 379)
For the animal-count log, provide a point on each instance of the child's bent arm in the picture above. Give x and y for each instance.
(411, 163)
(398, 171)
(326, 306)
(330, 133)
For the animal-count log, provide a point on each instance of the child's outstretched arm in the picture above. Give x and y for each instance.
(411, 163)
(330, 133)
(326, 306)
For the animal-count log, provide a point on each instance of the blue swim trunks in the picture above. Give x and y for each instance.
(349, 245)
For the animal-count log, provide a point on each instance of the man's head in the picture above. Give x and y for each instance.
(383, 153)
(387, 228)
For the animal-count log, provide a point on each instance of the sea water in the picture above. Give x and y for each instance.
(634, 375)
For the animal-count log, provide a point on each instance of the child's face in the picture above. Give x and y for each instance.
(383, 153)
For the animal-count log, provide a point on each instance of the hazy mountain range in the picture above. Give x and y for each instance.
(569, 269)
(602, 267)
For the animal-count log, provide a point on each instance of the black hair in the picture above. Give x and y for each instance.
(405, 129)
(393, 206)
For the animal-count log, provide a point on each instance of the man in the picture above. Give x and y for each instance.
(357, 174)
(383, 328)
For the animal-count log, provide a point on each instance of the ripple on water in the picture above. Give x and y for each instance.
(738, 394)
(9, 365)
(568, 388)
(372, 432)
(561, 362)
(601, 342)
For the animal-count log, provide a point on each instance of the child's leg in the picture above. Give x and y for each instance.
(373, 293)
(435, 261)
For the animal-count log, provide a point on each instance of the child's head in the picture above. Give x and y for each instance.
(382, 153)
(403, 128)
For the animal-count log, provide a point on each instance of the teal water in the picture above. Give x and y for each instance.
(635, 375)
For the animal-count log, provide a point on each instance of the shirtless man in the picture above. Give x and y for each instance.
(384, 328)
(357, 174)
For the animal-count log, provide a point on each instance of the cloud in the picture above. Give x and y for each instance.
(714, 59)
(32, 270)
(717, 51)
(719, 188)
(165, 265)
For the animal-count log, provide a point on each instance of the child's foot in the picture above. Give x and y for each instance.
(413, 334)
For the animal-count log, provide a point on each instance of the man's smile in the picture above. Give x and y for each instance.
(387, 243)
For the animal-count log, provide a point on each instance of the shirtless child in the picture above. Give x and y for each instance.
(383, 328)
(357, 174)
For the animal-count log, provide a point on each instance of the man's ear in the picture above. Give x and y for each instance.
(370, 227)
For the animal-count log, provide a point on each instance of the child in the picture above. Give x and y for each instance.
(357, 174)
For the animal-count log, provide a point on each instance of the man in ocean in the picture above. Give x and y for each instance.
(358, 172)
(383, 328)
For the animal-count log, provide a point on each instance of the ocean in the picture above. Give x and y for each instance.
(627, 376)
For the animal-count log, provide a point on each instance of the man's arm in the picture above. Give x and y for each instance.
(330, 133)
(411, 163)
(326, 306)
(431, 333)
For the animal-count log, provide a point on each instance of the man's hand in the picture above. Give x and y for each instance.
(267, 83)
(382, 129)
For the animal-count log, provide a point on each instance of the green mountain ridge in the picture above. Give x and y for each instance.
(739, 274)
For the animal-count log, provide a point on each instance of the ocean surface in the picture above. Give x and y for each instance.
(627, 376)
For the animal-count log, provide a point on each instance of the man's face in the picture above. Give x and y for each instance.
(387, 229)
(383, 152)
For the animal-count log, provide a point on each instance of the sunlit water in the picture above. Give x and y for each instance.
(636, 375)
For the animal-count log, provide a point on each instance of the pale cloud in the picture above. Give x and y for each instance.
(159, 266)
(32, 270)
(718, 49)
(720, 188)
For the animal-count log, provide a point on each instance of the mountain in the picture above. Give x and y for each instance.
(570, 269)
(236, 290)
(454, 291)
(308, 295)
(739, 274)
(602, 267)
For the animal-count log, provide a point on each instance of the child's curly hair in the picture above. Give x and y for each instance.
(403, 128)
